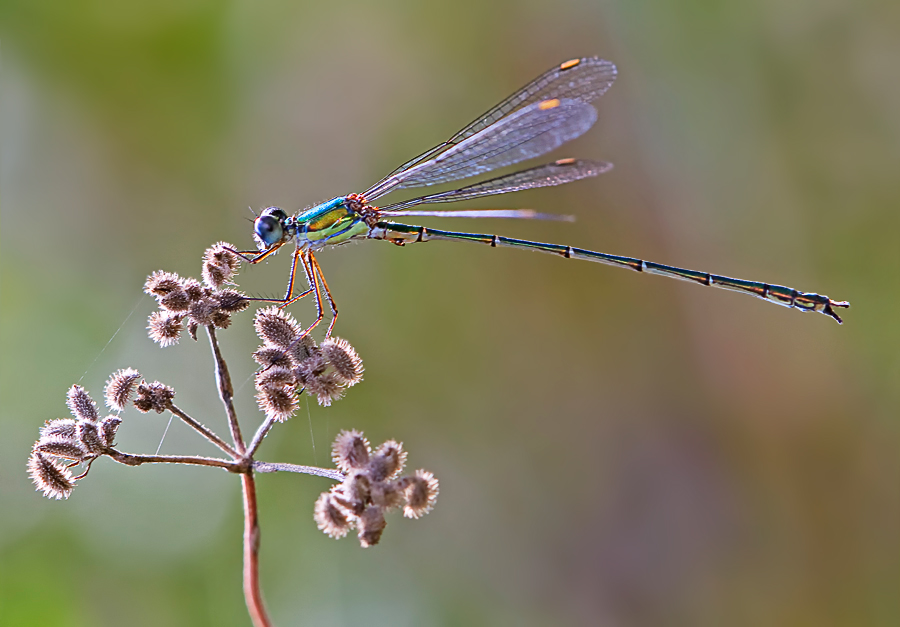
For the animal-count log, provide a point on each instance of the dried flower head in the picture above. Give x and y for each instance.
(326, 388)
(63, 427)
(219, 264)
(49, 476)
(161, 283)
(108, 428)
(88, 435)
(388, 461)
(272, 357)
(81, 404)
(344, 359)
(276, 328)
(421, 492)
(120, 387)
(277, 402)
(330, 518)
(57, 446)
(350, 451)
(231, 301)
(371, 525)
(164, 328)
(370, 489)
(155, 396)
(176, 301)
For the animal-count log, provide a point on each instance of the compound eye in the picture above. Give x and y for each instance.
(268, 229)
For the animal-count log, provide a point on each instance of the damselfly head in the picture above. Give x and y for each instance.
(269, 227)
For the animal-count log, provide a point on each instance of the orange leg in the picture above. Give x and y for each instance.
(334, 312)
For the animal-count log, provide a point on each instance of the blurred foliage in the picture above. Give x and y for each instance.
(612, 448)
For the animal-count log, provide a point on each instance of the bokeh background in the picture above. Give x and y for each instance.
(613, 449)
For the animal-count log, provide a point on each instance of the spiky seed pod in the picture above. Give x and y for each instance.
(176, 301)
(344, 359)
(164, 328)
(312, 367)
(222, 253)
(350, 451)
(192, 329)
(357, 490)
(304, 349)
(161, 283)
(272, 357)
(120, 387)
(326, 388)
(62, 427)
(275, 377)
(277, 402)
(61, 447)
(88, 435)
(276, 328)
(202, 310)
(81, 404)
(388, 461)
(371, 525)
(50, 476)
(231, 301)
(155, 396)
(108, 428)
(330, 518)
(386, 494)
(194, 289)
(220, 320)
(421, 492)
(214, 275)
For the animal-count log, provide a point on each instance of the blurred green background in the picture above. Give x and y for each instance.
(613, 449)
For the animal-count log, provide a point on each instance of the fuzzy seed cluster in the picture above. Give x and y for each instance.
(373, 486)
(75, 440)
(198, 304)
(293, 362)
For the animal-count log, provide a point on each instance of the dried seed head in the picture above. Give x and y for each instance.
(120, 387)
(330, 518)
(421, 492)
(62, 427)
(175, 301)
(49, 476)
(193, 289)
(350, 451)
(231, 301)
(303, 350)
(275, 377)
(164, 328)
(276, 328)
(356, 491)
(161, 283)
(202, 310)
(272, 357)
(214, 275)
(388, 461)
(155, 396)
(108, 428)
(222, 254)
(88, 435)
(386, 494)
(220, 319)
(192, 329)
(371, 525)
(81, 404)
(61, 447)
(277, 402)
(326, 388)
(312, 367)
(344, 359)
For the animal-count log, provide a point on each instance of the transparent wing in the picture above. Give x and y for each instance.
(525, 134)
(584, 80)
(547, 175)
(522, 214)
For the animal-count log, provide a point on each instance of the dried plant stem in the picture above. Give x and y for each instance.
(329, 473)
(260, 435)
(226, 391)
(252, 591)
(204, 431)
(136, 460)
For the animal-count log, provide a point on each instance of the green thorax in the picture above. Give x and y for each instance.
(328, 224)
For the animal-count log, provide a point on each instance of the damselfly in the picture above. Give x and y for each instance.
(549, 111)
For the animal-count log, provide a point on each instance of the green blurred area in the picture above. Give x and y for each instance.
(613, 449)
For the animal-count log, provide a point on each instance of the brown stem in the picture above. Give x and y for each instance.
(136, 460)
(226, 392)
(252, 591)
(260, 435)
(204, 431)
(328, 473)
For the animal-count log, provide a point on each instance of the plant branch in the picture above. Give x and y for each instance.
(328, 473)
(226, 391)
(252, 591)
(136, 460)
(204, 431)
(260, 435)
